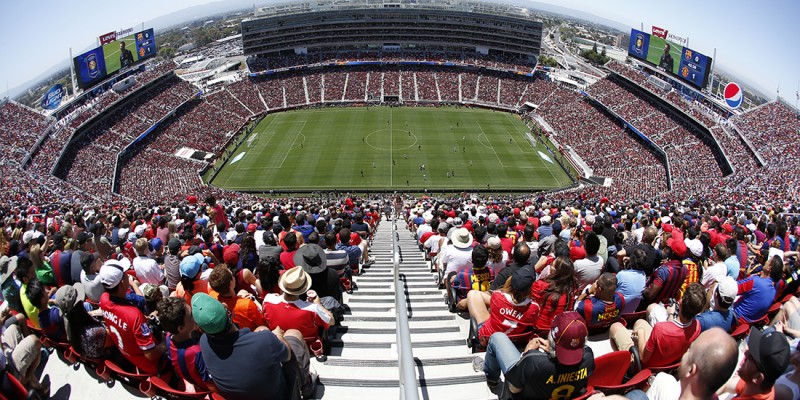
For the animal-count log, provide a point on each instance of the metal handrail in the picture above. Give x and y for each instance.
(405, 358)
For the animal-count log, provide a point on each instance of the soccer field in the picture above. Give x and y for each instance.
(385, 148)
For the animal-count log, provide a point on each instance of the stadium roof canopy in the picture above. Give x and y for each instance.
(482, 7)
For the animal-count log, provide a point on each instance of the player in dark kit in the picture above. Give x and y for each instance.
(125, 56)
(666, 59)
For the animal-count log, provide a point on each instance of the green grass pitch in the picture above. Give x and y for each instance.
(656, 50)
(111, 53)
(380, 148)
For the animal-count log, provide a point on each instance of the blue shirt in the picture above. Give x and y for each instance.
(239, 375)
(630, 283)
(732, 263)
(599, 313)
(353, 252)
(714, 318)
(756, 296)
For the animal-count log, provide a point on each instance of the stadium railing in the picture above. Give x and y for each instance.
(405, 358)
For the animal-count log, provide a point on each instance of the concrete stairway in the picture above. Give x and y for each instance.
(363, 363)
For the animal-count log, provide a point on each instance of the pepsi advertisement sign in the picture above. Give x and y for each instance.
(733, 95)
(52, 99)
(691, 67)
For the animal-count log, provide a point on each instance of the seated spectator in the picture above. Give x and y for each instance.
(508, 310)
(631, 280)
(290, 312)
(324, 280)
(720, 315)
(24, 266)
(667, 278)
(244, 310)
(787, 387)
(587, 270)
(227, 351)
(479, 277)
(458, 254)
(765, 360)
(337, 259)
(50, 316)
(85, 334)
(287, 256)
(714, 272)
(125, 321)
(664, 342)
(172, 262)
(191, 283)
(756, 293)
(183, 348)
(648, 237)
(498, 257)
(90, 270)
(268, 273)
(601, 304)
(11, 283)
(23, 353)
(705, 367)
(270, 246)
(555, 294)
(146, 268)
(788, 318)
(353, 252)
(520, 259)
(556, 367)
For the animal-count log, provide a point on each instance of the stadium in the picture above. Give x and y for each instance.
(487, 199)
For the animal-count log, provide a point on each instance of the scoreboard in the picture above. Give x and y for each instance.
(691, 67)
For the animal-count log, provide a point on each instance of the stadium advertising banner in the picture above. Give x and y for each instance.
(682, 62)
(96, 64)
(52, 99)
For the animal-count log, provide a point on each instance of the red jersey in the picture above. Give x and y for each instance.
(507, 317)
(129, 329)
(304, 316)
(548, 312)
(669, 341)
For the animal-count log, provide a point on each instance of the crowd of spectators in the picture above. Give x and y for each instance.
(89, 158)
(21, 127)
(488, 86)
(356, 84)
(391, 82)
(503, 62)
(603, 144)
(690, 270)
(145, 175)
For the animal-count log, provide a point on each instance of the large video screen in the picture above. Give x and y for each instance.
(682, 62)
(101, 62)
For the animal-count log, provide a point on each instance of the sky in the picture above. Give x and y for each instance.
(755, 40)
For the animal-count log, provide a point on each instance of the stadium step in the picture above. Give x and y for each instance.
(364, 348)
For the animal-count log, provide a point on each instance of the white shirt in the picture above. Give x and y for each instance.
(432, 243)
(713, 273)
(456, 259)
(148, 271)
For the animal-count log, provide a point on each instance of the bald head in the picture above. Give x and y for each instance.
(714, 354)
(649, 235)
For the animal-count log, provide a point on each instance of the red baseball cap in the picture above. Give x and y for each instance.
(251, 228)
(569, 333)
(676, 243)
(231, 254)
